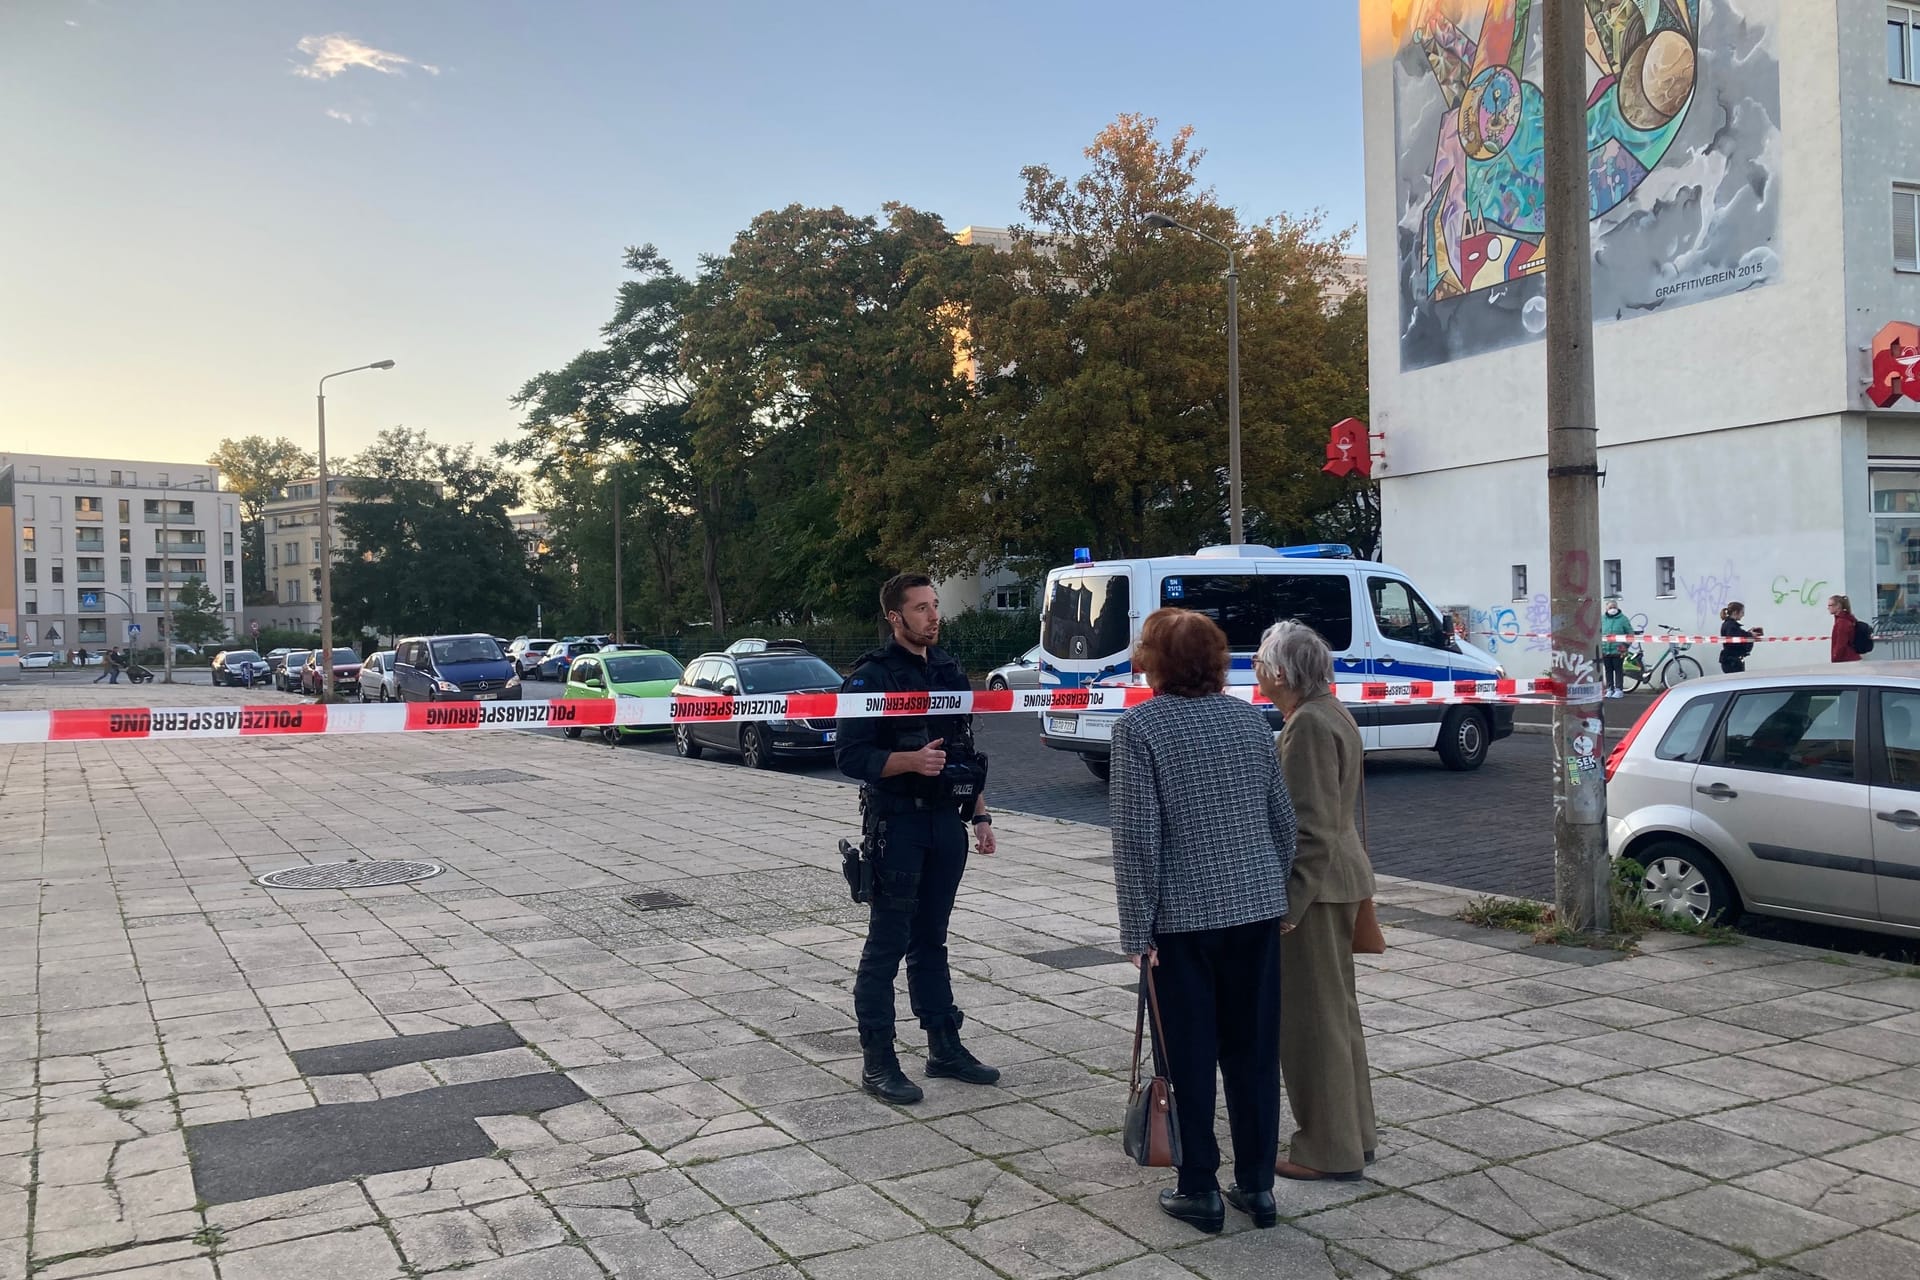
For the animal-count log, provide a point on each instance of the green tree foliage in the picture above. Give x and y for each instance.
(434, 547)
(257, 469)
(196, 615)
(1101, 345)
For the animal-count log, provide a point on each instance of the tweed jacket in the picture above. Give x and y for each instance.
(1321, 756)
(1202, 826)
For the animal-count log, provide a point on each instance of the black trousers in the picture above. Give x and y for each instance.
(1220, 1005)
(916, 881)
(1732, 664)
(1613, 665)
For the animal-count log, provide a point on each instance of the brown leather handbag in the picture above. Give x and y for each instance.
(1367, 938)
(1152, 1135)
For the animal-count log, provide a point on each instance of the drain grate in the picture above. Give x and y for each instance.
(477, 777)
(655, 901)
(349, 875)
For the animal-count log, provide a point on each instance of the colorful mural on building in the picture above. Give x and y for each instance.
(1683, 142)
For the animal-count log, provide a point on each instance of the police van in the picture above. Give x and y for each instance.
(1376, 622)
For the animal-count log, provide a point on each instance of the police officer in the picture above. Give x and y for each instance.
(922, 781)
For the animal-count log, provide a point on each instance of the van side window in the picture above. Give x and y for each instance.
(1244, 605)
(1087, 615)
(1402, 615)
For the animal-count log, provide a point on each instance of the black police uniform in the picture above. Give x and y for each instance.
(923, 855)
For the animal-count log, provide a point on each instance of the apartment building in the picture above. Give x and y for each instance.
(101, 545)
(293, 551)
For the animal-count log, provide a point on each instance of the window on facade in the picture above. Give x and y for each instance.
(59, 572)
(1611, 571)
(1663, 578)
(316, 548)
(91, 564)
(229, 571)
(26, 538)
(1519, 582)
(89, 508)
(30, 601)
(126, 569)
(226, 543)
(126, 540)
(30, 569)
(126, 511)
(1896, 544)
(1014, 599)
(1903, 44)
(229, 602)
(1906, 228)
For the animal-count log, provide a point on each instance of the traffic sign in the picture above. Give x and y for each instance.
(133, 631)
(256, 626)
(89, 599)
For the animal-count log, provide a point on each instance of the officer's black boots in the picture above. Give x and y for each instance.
(881, 1075)
(949, 1059)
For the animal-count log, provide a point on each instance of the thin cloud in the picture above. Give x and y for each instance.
(349, 117)
(333, 54)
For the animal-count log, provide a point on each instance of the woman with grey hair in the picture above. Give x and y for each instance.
(1323, 1048)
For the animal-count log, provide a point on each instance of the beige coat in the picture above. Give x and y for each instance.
(1320, 754)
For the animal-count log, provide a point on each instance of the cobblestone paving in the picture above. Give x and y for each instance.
(1692, 1111)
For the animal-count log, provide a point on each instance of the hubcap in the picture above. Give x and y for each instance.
(750, 748)
(1470, 736)
(1677, 888)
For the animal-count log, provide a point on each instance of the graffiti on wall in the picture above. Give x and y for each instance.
(1684, 149)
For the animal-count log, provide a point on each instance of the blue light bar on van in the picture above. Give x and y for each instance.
(1083, 555)
(1254, 551)
(1318, 551)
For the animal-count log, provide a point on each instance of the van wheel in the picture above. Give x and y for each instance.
(573, 733)
(1463, 740)
(1098, 767)
(683, 743)
(1683, 882)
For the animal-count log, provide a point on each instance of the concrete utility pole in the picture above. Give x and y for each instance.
(1580, 866)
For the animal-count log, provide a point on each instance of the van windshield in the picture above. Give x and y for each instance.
(1086, 615)
(1246, 604)
(467, 649)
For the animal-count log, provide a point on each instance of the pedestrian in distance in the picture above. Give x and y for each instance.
(1203, 840)
(109, 668)
(81, 658)
(922, 785)
(1846, 630)
(1733, 655)
(1613, 653)
(1323, 1047)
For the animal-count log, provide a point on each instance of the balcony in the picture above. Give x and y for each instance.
(94, 547)
(90, 575)
(183, 548)
(183, 514)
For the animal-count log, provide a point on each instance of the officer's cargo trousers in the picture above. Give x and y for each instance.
(918, 877)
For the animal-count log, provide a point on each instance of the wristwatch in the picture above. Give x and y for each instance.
(979, 818)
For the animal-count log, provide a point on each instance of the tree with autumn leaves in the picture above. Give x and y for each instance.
(841, 396)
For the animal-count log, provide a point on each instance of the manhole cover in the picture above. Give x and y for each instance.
(349, 875)
(477, 777)
(656, 901)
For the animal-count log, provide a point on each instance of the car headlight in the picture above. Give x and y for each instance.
(513, 682)
(446, 686)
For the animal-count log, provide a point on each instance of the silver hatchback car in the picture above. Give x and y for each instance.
(1788, 793)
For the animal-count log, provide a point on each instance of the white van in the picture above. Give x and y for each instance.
(1377, 623)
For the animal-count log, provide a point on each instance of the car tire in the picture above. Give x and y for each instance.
(684, 745)
(1463, 740)
(997, 685)
(574, 733)
(754, 752)
(1683, 880)
(1099, 766)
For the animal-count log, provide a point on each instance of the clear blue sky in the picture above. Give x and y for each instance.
(204, 214)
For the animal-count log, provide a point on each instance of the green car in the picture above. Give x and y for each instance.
(635, 673)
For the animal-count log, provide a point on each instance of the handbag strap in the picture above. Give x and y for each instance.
(1153, 1006)
(1139, 1030)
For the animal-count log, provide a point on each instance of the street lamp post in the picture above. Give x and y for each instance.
(326, 537)
(1233, 365)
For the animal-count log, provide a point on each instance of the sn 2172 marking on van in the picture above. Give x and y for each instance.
(1378, 624)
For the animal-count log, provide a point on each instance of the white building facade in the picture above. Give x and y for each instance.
(100, 545)
(292, 544)
(1756, 182)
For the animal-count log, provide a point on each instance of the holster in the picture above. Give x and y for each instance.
(859, 863)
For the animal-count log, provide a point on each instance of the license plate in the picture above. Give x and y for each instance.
(485, 697)
(1061, 724)
(829, 735)
(1100, 727)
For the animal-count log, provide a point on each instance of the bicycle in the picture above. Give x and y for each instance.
(1675, 667)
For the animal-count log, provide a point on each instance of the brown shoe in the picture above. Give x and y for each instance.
(1300, 1173)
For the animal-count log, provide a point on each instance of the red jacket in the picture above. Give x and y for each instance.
(1843, 650)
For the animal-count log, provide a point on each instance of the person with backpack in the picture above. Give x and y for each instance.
(1851, 637)
(1733, 654)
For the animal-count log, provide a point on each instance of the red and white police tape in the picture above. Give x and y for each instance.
(92, 724)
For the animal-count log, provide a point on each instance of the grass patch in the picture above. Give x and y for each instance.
(210, 1236)
(113, 1103)
(1518, 915)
